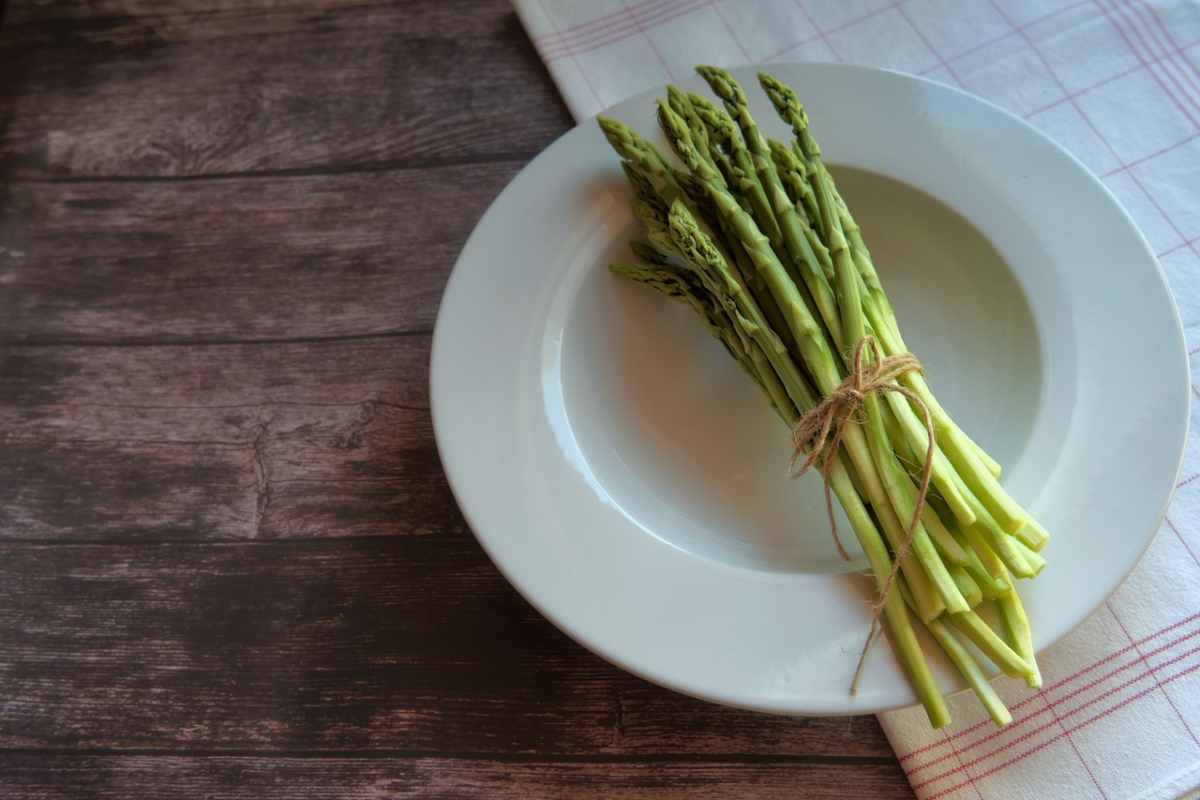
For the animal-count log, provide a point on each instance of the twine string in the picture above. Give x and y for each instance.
(819, 434)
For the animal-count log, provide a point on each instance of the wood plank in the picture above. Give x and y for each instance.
(119, 88)
(278, 258)
(222, 442)
(252, 778)
(412, 644)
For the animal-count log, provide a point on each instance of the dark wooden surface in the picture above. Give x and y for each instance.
(230, 565)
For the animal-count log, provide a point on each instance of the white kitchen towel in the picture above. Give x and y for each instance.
(1116, 82)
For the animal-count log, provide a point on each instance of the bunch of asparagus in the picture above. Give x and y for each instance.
(752, 233)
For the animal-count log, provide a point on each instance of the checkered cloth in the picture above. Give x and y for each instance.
(1116, 82)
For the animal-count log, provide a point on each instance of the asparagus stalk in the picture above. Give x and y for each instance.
(967, 585)
(974, 628)
(1031, 557)
(987, 556)
(1019, 635)
(969, 668)
(788, 105)
(899, 489)
(657, 178)
(904, 641)
(1000, 541)
(677, 287)
(685, 145)
(989, 585)
(952, 551)
(978, 470)
(1033, 534)
(660, 276)
(719, 152)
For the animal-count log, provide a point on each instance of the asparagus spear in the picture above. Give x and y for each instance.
(1033, 534)
(999, 541)
(1031, 557)
(990, 585)
(788, 106)
(792, 172)
(974, 628)
(678, 99)
(992, 563)
(656, 175)
(1019, 635)
(719, 152)
(685, 145)
(969, 668)
(967, 585)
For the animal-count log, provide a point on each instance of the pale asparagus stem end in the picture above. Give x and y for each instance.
(1033, 534)
(1020, 636)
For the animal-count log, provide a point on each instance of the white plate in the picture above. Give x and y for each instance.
(628, 478)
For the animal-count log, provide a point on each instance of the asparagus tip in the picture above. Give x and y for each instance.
(648, 252)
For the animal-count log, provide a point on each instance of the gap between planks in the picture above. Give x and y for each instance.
(216, 342)
(400, 165)
(516, 758)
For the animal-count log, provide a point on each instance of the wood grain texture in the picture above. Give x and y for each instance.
(412, 644)
(249, 778)
(230, 562)
(185, 88)
(246, 258)
(255, 441)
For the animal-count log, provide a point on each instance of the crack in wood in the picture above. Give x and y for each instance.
(262, 477)
(52, 440)
(236, 406)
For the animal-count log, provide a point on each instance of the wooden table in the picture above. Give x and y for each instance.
(230, 565)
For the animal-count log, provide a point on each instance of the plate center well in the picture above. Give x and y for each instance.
(682, 440)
